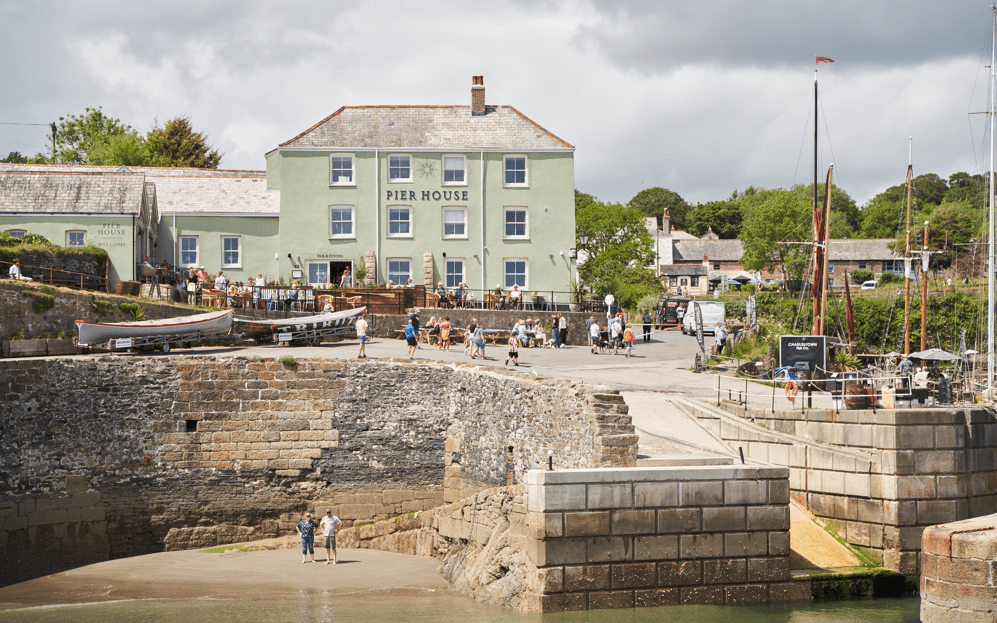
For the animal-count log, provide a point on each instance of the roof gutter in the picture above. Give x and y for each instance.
(441, 149)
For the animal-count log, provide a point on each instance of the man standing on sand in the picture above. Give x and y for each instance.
(362, 334)
(330, 528)
(306, 528)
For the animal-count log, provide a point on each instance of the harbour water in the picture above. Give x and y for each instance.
(440, 607)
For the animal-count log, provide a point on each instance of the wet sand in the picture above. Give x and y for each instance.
(240, 575)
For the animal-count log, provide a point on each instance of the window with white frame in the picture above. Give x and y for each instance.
(341, 222)
(17, 233)
(862, 265)
(454, 272)
(515, 273)
(694, 282)
(673, 281)
(716, 265)
(455, 222)
(516, 225)
(830, 267)
(231, 251)
(684, 281)
(399, 221)
(399, 270)
(399, 168)
(515, 170)
(454, 170)
(341, 169)
(189, 251)
(318, 272)
(76, 238)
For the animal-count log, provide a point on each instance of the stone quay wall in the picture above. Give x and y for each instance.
(880, 476)
(642, 537)
(386, 324)
(189, 451)
(958, 571)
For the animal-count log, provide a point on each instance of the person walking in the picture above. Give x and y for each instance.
(469, 337)
(513, 350)
(555, 334)
(595, 336)
(410, 337)
(615, 334)
(347, 280)
(628, 338)
(562, 328)
(588, 329)
(478, 340)
(306, 530)
(414, 318)
(648, 320)
(362, 334)
(330, 528)
(445, 328)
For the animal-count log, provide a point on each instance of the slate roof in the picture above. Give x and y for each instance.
(234, 195)
(427, 127)
(80, 193)
(715, 250)
(860, 250)
(182, 190)
(683, 270)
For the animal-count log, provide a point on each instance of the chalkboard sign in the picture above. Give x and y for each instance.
(808, 349)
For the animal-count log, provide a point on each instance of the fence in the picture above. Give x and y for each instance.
(59, 277)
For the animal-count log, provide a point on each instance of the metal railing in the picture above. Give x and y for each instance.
(59, 277)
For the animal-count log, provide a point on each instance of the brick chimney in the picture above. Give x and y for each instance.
(477, 95)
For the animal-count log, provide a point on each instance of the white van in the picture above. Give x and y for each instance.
(714, 313)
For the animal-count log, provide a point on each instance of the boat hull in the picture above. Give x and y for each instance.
(91, 333)
(265, 329)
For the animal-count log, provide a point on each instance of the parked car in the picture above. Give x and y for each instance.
(869, 285)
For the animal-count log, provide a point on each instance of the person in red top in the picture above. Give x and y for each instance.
(513, 350)
(628, 338)
(445, 328)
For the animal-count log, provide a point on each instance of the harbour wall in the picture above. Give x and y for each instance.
(879, 477)
(958, 564)
(174, 453)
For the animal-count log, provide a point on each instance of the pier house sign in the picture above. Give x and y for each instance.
(427, 195)
(110, 235)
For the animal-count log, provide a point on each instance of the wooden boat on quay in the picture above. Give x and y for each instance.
(97, 333)
(301, 328)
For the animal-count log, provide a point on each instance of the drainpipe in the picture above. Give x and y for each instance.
(176, 241)
(482, 219)
(377, 214)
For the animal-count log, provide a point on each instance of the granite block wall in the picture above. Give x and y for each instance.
(958, 566)
(642, 537)
(879, 476)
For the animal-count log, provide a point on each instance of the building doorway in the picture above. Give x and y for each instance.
(321, 273)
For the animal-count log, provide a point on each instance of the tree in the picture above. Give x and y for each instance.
(15, 157)
(123, 149)
(724, 217)
(176, 144)
(617, 239)
(929, 188)
(966, 187)
(846, 219)
(883, 215)
(773, 218)
(861, 275)
(78, 136)
(582, 200)
(655, 201)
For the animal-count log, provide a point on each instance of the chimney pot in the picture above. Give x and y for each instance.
(477, 95)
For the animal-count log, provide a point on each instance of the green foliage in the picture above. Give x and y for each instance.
(15, 157)
(101, 305)
(888, 278)
(656, 201)
(40, 301)
(632, 284)
(126, 149)
(12, 247)
(290, 362)
(724, 217)
(132, 309)
(845, 361)
(359, 273)
(649, 301)
(772, 218)
(846, 219)
(617, 239)
(79, 135)
(582, 200)
(176, 144)
(861, 275)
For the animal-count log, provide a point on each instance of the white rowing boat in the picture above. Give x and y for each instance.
(93, 333)
(266, 328)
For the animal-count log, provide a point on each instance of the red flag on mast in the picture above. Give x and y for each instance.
(824, 59)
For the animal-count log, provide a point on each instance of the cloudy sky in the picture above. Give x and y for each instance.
(703, 98)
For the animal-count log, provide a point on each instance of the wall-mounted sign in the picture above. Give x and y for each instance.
(427, 195)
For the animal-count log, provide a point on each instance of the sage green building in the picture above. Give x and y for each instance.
(477, 194)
